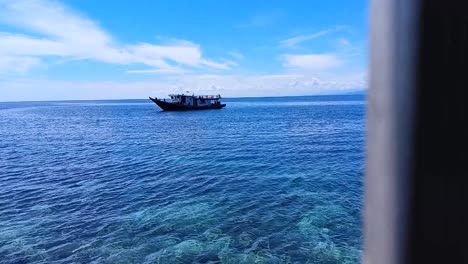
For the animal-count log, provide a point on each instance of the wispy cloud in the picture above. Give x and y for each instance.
(65, 33)
(217, 65)
(236, 55)
(343, 42)
(347, 48)
(294, 41)
(311, 61)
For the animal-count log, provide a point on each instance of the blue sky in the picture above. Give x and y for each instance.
(87, 49)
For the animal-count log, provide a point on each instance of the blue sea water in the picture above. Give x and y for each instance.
(265, 180)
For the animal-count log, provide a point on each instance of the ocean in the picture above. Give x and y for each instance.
(264, 180)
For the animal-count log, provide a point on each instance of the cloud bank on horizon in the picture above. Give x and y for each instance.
(52, 50)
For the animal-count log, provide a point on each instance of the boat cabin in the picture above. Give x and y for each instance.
(195, 100)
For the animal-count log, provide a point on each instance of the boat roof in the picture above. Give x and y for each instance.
(218, 96)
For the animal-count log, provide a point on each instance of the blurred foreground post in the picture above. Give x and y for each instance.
(416, 199)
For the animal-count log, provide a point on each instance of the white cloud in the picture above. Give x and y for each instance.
(226, 85)
(17, 64)
(311, 61)
(68, 34)
(17, 44)
(294, 41)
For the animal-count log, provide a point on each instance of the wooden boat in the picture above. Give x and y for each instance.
(182, 102)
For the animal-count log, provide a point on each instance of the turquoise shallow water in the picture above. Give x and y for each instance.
(265, 180)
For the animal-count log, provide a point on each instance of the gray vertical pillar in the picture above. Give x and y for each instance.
(393, 40)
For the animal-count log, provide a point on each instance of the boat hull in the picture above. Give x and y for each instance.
(166, 106)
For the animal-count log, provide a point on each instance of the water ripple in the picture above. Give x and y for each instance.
(275, 180)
